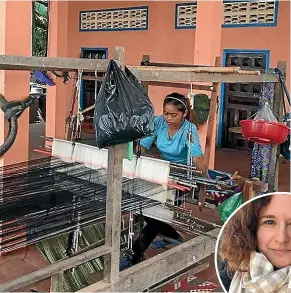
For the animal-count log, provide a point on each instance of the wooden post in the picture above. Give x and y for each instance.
(209, 136)
(275, 152)
(57, 283)
(113, 201)
(248, 191)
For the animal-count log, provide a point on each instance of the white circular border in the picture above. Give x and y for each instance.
(223, 226)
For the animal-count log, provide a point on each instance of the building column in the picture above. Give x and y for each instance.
(207, 45)
(15, 39)
(58, 97)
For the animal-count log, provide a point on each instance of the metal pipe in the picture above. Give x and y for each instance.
(214, 225)
(178, 226)
(185, 167)
(177, 209)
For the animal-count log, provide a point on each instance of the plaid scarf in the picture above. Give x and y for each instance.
(261, 278)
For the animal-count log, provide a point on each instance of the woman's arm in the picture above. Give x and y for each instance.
(147, 142)
(142, 149)
(199, 162)
(196, 151)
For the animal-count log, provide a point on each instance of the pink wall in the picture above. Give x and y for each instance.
(164, 43)
(276, 39)
(15, 39)
(161, 41)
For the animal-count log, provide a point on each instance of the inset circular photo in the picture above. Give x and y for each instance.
(253, 252)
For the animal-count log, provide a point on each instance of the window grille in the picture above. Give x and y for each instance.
(236, 13)
(134, 18)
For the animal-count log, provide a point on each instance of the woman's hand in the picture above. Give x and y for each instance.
(199, 163)
(141, 149)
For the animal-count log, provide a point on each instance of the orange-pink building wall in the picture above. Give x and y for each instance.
(164, 43)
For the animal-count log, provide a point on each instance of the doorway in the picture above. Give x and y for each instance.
(240, 100)
(90, 88)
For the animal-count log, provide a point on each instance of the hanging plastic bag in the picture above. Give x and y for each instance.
(266, 113)
(227, 207)
(123, 111)
(201, 107)
(285, 147)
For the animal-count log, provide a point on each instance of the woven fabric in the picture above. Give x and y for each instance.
(261, 278)
(261, 154)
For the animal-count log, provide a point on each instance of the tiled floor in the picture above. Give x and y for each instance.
(22, 262)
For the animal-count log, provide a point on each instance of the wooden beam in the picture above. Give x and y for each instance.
(275, 151)
(160, 267)
(201, 69)
(8, 62)
(54, 269)
(113, 200)
(258, 186)
(159, 75)
(143, 73)
(179, 85)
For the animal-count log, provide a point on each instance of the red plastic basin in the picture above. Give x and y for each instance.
(264, 132)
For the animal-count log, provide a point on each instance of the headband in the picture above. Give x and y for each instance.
(177, 100)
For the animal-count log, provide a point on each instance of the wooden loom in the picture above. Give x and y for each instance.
(156, 269)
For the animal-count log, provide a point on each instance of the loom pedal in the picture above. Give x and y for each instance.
(163, 243)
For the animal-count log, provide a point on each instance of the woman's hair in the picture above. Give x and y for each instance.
(181, 102)
(239, 236)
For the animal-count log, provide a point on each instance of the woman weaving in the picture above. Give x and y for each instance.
(171, 139)
(256, 244)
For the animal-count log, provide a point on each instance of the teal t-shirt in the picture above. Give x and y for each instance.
(173, 149)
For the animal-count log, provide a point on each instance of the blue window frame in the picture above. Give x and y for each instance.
(84, 51)
(222, 91)
(255, 24)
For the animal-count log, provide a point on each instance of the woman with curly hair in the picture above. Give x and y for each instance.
(256, 245)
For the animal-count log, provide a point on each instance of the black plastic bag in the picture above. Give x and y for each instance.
(123, 111)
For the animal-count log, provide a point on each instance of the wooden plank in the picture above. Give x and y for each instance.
(113, 200)
(160, 267)
(258, 186)
(143, 73)
(98, 78)
(186, 76)
(54, 269)
(236, 129)
(275, 151)
(209, 136)
(202, 69)
(9, 62)
(179, 85)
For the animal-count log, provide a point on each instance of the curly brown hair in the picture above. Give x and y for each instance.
(239, 236)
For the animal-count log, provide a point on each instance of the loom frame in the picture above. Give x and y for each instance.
(158, 268)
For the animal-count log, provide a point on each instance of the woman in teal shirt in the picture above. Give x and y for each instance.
(171, 133)
(171, 138)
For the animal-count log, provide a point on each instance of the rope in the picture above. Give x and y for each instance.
(12, 111)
